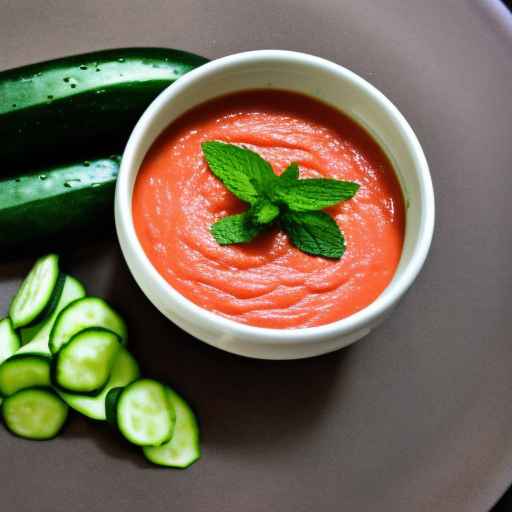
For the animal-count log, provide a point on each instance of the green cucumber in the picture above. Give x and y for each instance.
(9, 339)
(83, 365)
(90, 371)
(39, 292)
(58, 199)
(22, 371)
(144, 414)
(83, 313)
(84, 102)
(183, 449)
(124, 371)
(34, 413)
(37, 335)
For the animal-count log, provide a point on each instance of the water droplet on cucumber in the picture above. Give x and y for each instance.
(120, 59)
(69, 183)
(83, 67)
(71, 81)
(42, 177)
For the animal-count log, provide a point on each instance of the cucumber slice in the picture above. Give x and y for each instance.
(34, 297)
(37, 346)
(9, 339)
(81, 314)
(24, 371)
(183, 449)
(144, 414)
(73, 289)
(34, 413)
(124, 371)
(83, 365)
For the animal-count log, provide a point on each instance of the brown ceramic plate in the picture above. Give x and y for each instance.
(418, 416)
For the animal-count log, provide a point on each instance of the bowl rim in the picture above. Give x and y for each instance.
(250, 333)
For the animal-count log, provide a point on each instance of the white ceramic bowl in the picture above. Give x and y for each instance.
(336, 86)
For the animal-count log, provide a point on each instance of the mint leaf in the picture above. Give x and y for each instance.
(291, 172)
(314, 194)
(295, 203)
(263, 212)
(235, 229)
(315, 233)
(242, 171)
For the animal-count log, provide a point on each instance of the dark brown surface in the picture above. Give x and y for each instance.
(418, 416)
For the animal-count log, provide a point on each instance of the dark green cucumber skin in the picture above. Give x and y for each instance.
(111, 405)
(84, 103)
(52, 304)
(73, 197)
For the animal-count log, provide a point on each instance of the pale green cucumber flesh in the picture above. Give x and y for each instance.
(24, 371)
(36, 291)
(73, 289)
(34, 413)
(84, 313)
(124, 371)
(183, 449)
(144, 413)
(84, 364)
(9, 339)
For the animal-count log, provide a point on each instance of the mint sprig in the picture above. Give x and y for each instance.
(294, 204)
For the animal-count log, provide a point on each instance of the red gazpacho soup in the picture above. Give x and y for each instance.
(268, 282)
